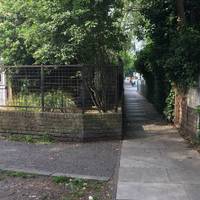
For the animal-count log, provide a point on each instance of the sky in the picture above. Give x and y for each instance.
(137, 45)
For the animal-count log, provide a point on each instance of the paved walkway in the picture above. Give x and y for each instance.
(156, 163)
(95, 160)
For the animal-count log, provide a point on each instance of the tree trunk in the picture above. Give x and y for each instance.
(181, 19)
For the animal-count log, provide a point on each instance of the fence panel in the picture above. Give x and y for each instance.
(64, 89)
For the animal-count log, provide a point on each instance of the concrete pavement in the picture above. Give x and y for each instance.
(156, 163)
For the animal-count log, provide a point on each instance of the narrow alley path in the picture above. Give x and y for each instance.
(156, 163)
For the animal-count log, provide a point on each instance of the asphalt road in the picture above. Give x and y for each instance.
(94, 160)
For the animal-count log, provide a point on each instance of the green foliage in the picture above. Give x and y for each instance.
(198, 109)
(78, 187)
(74, 184)
(55, 100)
(147, 65)
(182, 64)
(169, 109)
(60, 179)
(171, 54)
(21, 101)
(45, 139)
(198, 138)
(20, 174)
(60, 31)
(58, 100)
(145, 61)
(128, 62)
(198, 128)
(4, 174)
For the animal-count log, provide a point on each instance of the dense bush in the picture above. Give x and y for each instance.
(157, 87)
(183, 63)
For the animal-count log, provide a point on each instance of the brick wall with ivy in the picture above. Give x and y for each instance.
(186, 111)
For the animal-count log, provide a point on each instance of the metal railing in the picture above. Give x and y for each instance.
(64, 89)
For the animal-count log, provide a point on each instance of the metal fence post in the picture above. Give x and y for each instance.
(42, 88)
(117, 90)
(83, 89)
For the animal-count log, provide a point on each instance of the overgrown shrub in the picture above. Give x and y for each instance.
(182, 64)
(55, 100)
(58, 100)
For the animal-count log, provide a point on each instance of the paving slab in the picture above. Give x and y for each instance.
(143, 175)
(151, 191)
(156, 163)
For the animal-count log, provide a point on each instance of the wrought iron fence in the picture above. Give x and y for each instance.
(72, 88)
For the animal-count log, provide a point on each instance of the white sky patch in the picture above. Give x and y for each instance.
(137, 45)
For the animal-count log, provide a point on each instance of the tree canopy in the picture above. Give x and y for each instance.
(171, 29)
(94, 31)
(60, 31)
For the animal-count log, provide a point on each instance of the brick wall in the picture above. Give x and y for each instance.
(186, 117)
(56, 124)
(71, 126)
(108, 125)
